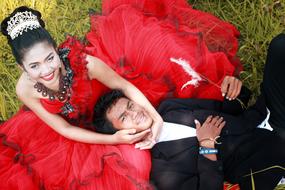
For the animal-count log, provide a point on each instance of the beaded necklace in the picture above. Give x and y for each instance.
(62, 94)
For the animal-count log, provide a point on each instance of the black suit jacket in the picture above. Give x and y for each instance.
(177, 164)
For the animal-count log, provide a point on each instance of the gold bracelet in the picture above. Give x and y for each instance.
(211, 139)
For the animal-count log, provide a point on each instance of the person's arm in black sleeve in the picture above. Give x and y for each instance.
(209, 168)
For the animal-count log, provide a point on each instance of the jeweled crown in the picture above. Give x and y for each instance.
(20, 22)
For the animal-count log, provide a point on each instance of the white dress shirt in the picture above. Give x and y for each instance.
(174, 131)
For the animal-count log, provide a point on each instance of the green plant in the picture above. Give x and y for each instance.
(258, 22)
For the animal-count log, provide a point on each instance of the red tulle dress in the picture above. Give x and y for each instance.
(164, 47)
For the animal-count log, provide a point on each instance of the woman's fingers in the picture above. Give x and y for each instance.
(141, 144)
(131, 137)
(147, 143)
(140, 135)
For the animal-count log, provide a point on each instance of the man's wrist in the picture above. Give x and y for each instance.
(207, 144)
(205, 150)
(209, 153)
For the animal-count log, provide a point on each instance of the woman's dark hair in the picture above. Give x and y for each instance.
(102, 124)
(22, 43)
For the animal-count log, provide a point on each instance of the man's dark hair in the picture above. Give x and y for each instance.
(100, 121)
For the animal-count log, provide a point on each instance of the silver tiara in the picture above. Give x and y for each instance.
(20, 22)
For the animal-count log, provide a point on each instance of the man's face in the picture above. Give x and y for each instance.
(126, 114)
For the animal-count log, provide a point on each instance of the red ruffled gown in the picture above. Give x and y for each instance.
(165, 48)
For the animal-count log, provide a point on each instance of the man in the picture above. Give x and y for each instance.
(250, 156)
(177, 162)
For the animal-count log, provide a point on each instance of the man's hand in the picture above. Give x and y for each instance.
(231, 87)
(209, 131)
(129, 136)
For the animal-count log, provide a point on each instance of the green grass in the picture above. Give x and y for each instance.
(257, 20)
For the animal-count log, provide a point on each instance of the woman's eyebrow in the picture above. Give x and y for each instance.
(45, 59)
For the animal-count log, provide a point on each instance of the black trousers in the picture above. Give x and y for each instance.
(258, 150)
(273, 86)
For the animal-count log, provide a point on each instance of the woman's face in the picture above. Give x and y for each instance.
(41, 62)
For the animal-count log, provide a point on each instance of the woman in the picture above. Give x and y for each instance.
(47, 145)
(51, 90)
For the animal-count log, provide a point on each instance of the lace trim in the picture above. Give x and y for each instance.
(63, 54)
(73, 57)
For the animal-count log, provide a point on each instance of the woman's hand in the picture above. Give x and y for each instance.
(151, 138)
(156, 127)
(129, 136)
(231, 87)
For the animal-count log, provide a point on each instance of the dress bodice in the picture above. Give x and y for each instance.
(84, 92)
(52, 106)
